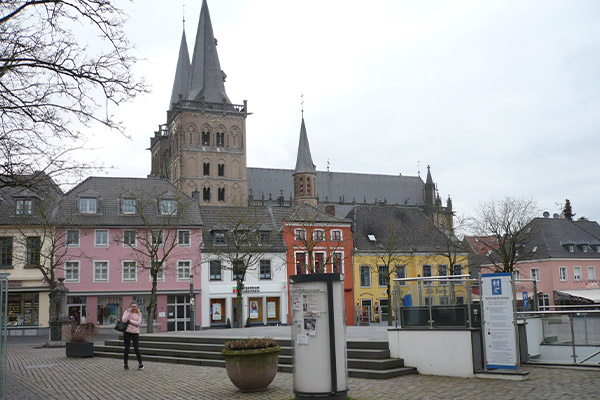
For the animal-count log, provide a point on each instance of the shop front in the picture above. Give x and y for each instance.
(27, 309)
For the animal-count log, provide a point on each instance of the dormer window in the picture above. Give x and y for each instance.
(88, 205)
(219, 238)
(263, 238)
(584, 248)
(24, 207)
(167, 207)
(571, 248)
(128, 206)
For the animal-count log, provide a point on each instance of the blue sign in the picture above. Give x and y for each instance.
(525, 300)
(496, 287)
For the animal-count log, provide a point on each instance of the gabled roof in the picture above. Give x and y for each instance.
(407, 229)
(146, 191)
(305, 213)
(304, 163)
(41, 189)
(206, 76)
(182, 73)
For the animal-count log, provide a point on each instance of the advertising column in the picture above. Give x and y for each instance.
(499, 325)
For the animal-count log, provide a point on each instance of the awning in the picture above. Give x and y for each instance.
(588, 295)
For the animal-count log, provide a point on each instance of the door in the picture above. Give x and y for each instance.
(178, 312)
(273, 310)
(217, 312)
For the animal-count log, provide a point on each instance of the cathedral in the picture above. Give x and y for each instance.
(202, 149)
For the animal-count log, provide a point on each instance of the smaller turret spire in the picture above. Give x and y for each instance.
(304, 163)
(182, 73)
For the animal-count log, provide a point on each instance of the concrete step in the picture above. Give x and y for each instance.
(377, 365)
(368, 353)
(385, 374)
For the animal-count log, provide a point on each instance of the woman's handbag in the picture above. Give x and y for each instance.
(121, 326)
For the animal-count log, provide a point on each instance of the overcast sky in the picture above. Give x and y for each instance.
(501, 98)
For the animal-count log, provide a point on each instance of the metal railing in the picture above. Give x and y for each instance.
(435, 302)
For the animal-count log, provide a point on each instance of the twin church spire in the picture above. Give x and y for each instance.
(202, 79)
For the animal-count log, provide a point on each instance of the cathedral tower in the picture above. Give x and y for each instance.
(202, 147)
(305, 186)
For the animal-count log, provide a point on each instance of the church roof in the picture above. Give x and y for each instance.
(206, 76)
(182, 73)
(333, 186)
(304, 163)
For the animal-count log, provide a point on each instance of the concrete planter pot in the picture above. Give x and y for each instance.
(85, 349)
(252, 370)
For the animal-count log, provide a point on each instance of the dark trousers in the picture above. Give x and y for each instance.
(127, 340)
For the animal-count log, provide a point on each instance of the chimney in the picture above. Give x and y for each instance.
(330, 209)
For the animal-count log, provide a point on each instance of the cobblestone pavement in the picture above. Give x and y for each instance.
(40, 373)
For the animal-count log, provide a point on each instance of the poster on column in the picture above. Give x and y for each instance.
(499, 325)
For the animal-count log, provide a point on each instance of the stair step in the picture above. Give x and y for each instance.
(383, 374)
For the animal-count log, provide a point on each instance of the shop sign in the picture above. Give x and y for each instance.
(14, 283)
(251, 289)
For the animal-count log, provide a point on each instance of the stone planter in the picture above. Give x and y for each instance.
(85, 349)
(252, 370)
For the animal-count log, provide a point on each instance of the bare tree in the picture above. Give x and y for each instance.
(239, 238)
(63, 65)
(450, 244)
(505, 222)
(156, 237)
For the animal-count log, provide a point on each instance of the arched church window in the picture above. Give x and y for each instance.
(301, 186)
(220, 139)
(205, 138)
(206, 194)
(221, 170)
(221, 194)
(206, 169)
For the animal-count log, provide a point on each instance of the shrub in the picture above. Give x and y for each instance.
(82, 333)
(250, 344)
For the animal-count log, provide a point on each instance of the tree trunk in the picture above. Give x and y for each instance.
(151, 307)
(239, 312)
(390, 308)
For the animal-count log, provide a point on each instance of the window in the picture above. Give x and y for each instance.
(72, 238)
(184, 270)
(535, 274)
(221, 170)
(336, 235)
(128, 206)
(577, 273)
(167, 207)
(337, 263)
(237, 269)
(219, 238)
(34, 246)
(584, 248)
(365, 276)
(562, 273)
(100, 271)
(300, 234)
(6, 251)
(72, 271)
(220, 139)
(205, 138)
(301, 263)
(265, 269)
(183, 238)
(401, 273)
(427, 270)
(442, 271)
(101, 238)
(320, 263)
(206, 194)
(318, 235)
(215, 270)
(129, 271)
(157, 238)
(221, 194)
(263, 238)
(206, 169)
(457, 269)
(571, 248)
(88, 205)
(159, 268)
(384, 276)
(544, 301)
(24, 207)
(517, 275)
(129, 237)
(591, 273)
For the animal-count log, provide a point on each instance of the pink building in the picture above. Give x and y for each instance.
(111, 228)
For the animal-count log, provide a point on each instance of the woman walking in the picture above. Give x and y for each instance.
(134, 317)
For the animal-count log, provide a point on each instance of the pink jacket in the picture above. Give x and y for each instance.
(135, 320)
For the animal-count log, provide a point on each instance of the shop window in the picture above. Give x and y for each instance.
(72, 271)
(72, 238)
(184, 270)
(101, 238)
(100, 271)
(6, 252)
(110, 310)
(183, 238)
(365, 276)
(129, 271)
(24, 207)
(337, 263)
(142, 303)
(34, 246)
(383, 271)
(22, 309)
(215, 270)
(265, 269)
(129, 237)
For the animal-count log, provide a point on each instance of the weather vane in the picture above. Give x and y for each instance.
(302, 104)
(183, 6)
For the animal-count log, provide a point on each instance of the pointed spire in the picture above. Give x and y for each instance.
(206, 76)
(182, 73)
(304, 162)
(429, 180)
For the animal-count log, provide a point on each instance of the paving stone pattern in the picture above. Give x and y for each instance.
(40, 373)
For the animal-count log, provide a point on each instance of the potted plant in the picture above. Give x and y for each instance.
(79, 340)
(251, 363)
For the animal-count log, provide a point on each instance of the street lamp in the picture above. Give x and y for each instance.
(192, 316)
